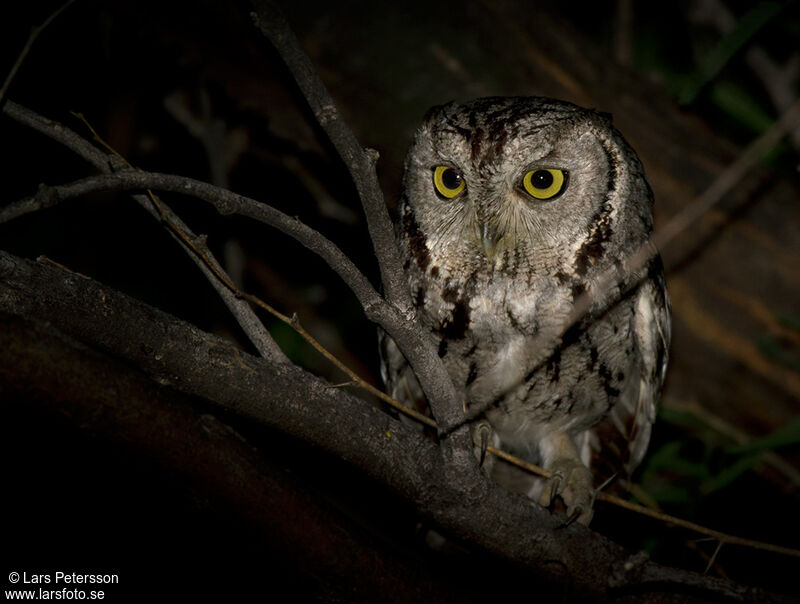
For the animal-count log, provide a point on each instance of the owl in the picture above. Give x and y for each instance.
(511, 209)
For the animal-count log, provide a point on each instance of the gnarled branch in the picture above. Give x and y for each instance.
(289, 399)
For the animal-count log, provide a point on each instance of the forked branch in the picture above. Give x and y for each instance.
(445, 404)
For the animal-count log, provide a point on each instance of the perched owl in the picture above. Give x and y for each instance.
(511, 209)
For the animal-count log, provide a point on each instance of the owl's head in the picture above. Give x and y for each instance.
(504, 182)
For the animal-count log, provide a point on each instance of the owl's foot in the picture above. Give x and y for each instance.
(570, 480)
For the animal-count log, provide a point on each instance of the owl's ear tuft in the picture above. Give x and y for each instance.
(605, 115)
(432, 114)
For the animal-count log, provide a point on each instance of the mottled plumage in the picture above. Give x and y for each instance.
(511, 209)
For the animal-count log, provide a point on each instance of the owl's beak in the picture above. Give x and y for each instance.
(489, 239)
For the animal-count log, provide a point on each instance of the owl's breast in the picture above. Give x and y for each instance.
(483, 321)
(492, 308)
(485, 324)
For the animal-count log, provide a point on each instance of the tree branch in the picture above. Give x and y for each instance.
(227, 202)
(106, 164)
(47, 377)
(418, 350)
(289, 399)
(28, 45)
(270, 20)
(136, 179)
(445, 404)
(779, 82)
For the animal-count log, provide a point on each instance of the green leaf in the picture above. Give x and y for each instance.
(771, 348)
(651, 545)
(788, 435)
(790, 321)
(740, 105)
(682, 419)
(750, 24)
(668, 458)
(672, 494)
(729, 474)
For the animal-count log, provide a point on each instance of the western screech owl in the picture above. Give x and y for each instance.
(511, 209)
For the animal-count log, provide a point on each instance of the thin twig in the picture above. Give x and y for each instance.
(724, 537)
(694, 545)
(28, 45)
(665, 518)
(222, 146)
(354, 377)
(713, 558)
(724, 428)
(779, 81)
(106, 164)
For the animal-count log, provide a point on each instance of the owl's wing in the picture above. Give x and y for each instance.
(652, 333)
(625, 433)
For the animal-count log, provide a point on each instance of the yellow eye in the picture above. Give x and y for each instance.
(448, 182)
(544, 183)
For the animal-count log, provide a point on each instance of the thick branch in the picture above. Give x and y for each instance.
(47, 378)
(289, 399)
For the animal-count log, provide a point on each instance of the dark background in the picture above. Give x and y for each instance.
(725, 451)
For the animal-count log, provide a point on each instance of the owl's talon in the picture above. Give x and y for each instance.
(481, 435)
(555, 488)
(572, 517)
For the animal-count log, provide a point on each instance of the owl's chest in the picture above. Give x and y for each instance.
(484, 326)
(488, 311)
